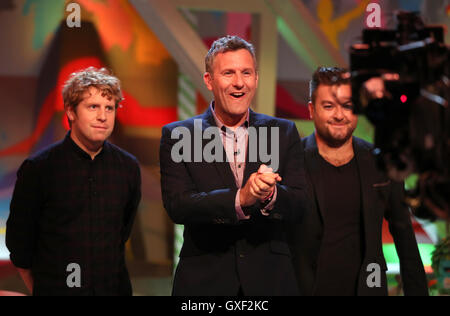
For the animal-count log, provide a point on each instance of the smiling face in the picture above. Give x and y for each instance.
(333, 115)
(92, 120)
(233, 81)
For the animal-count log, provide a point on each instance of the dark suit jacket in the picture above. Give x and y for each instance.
(381, 197)
(220, 253)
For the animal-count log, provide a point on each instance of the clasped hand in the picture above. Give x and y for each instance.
(259, 186)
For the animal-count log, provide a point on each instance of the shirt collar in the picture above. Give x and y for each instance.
(222, 126)
(68, 141)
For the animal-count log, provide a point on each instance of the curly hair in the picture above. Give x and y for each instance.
(80, 82)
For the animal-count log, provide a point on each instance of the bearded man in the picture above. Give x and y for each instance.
(337, 249)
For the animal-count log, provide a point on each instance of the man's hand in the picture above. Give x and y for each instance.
(259, 186)
(27, 278)
(375, 87)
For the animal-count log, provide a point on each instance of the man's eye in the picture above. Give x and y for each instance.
(110, 108)
(348, 106)
(93, 106)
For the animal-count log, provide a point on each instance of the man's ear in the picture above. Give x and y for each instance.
(311, 110)
(207, 78)
(71, 114)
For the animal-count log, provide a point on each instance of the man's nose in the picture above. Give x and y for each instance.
(238, 81)
(101, 115)
(339, 113)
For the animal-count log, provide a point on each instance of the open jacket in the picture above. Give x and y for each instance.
(221, 254)
(381, 198)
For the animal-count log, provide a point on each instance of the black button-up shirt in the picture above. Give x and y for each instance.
(69, 209)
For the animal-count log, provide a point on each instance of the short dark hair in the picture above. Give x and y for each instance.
(227, 44)
(328, 76)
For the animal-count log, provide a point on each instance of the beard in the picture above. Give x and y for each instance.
(335, 139)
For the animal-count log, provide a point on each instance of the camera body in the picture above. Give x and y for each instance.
(412, 116)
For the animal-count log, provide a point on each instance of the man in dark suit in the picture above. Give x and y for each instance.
(233, 206)
(337, 249)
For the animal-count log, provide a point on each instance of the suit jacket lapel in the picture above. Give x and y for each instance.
(312, 165)
(365, 176)
(223, 168)
(252, 166)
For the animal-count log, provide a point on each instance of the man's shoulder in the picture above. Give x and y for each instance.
(188, 123)
(309, 142)
(42, 159)
(362, 144)
(267, 120)
(286, 128)
(46, 153)
(122, 154)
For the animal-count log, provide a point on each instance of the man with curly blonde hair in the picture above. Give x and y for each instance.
(74, 202)
(84, 94)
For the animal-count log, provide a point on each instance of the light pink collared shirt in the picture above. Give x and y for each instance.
(235, 144)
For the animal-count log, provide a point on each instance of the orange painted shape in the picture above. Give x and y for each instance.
(113, 23)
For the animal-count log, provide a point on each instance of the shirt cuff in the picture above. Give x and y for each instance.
(271, 205)
(237, 204)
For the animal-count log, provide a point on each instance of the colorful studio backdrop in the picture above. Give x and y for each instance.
(39, 51)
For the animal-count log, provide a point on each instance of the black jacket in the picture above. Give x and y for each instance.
(220, 253)
(381, 198)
